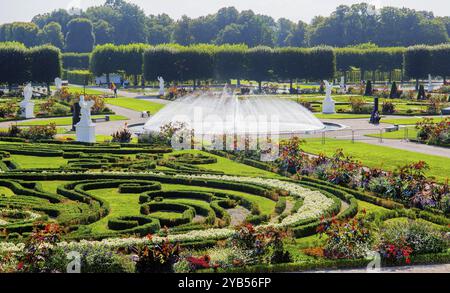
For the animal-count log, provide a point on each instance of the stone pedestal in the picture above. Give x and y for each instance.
(162, 93)
(328, 106)
(85, 133)
(27, 110)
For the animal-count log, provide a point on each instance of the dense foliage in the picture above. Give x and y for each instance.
(120, 22)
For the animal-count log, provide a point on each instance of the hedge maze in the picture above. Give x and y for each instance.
(106, 191)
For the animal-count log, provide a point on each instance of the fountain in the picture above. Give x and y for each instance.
(209, 113)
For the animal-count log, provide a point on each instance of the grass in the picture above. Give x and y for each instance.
(230, 167)
(79, 90)
(128, 204)
(121, 204)
(266, 205)
(51, 186)
(6, 191)
(30, 162)
(380, 156)
(135, 104)
(410, 121)
(98, 138)
(67, 120)
(404, 220)
(409, 132)
(377, 211)
(342, 116)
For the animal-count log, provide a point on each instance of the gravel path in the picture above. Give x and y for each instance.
(238, 215)
(362, 127)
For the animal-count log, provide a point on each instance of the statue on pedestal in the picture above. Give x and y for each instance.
(161, 86)
(85, 129)
(342, 85)
(58, 83)
(430, 84)
(27, 106)
(328, 105)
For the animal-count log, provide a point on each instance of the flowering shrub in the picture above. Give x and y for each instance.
(434, 133)
(158, 258)
(36, 251)
(346, 239)
(400, 240)
(264, 244)
(38, 132)
(358, 106)
(122, 136)
(8, 109)
(388, 108)
(407, 183)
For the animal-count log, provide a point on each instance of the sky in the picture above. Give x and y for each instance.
(305, 10)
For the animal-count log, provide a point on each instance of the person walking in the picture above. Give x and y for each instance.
(114, 89)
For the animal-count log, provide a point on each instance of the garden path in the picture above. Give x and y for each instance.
(238, 215)
(362, 127)
(127, 94)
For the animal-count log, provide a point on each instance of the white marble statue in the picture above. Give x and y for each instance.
(430, 84)
(85, 129)
(328, 105)
(58, 83)
(161, 86)
(27, 106)
(342, 85)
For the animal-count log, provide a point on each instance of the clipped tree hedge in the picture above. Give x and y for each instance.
(229, 62)
(13, 63)
(260, 64)
(160, 61)
(76, 61)
(45, 64)
(418, 62)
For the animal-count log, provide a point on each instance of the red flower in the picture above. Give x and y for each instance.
(20, 266)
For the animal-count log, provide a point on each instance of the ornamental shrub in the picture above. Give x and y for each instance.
(400, 240)
(347, 239)
(388, 108)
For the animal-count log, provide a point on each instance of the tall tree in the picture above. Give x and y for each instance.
(80, 37)
(104, 32)
(52, 34)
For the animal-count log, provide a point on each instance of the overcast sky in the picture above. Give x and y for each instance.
(24, 10)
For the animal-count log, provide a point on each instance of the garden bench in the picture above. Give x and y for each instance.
(101, 119)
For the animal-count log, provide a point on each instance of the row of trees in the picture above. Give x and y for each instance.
(79, 37)
(204, 62)
(119, 22)
(423, 60)
(19, 65)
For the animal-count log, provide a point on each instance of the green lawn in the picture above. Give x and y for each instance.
(98, 138)
(266, 205)
(342, 116)
(66, 120)
(409, 121)
(410, 133)
(80, 90)
(230, 167)
(121, 205)
(6, 191)
(135, 104)
(29, 162)
(380, 156)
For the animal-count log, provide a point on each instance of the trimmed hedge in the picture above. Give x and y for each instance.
(134, 225)
(75, 61)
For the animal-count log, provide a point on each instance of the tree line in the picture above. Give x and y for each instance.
(208, 62)
(42, 64)
(18, 64)
(119, 22)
